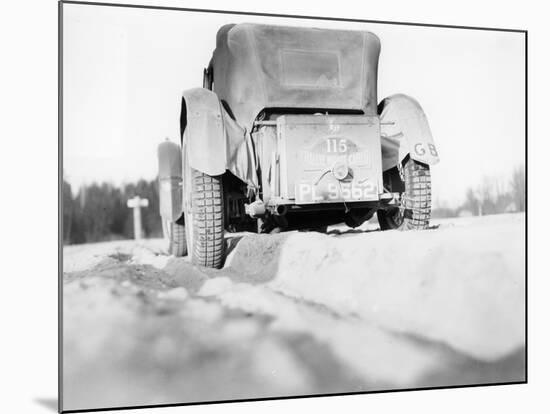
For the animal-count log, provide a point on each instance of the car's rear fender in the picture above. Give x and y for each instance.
(405, 131)
(202, 129)
(214, 141)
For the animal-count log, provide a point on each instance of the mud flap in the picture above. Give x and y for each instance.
(170, 181)
(405, 130)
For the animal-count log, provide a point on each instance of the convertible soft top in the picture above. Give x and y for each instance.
(261, 66)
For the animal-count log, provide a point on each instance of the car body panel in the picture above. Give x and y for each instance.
(170, 180)
(262, 66)
(204, 132)
(405, 130)
(214, 140)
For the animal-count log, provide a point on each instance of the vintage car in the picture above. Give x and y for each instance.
(287, 133)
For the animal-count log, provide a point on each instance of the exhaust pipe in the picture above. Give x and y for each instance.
(281, 210)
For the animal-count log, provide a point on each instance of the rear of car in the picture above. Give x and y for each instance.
(286, 133)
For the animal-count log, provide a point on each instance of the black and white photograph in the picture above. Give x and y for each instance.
(259, 206)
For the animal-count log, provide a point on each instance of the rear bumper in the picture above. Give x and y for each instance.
(385, 200)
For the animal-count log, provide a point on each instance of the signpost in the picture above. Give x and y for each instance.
(136, 203)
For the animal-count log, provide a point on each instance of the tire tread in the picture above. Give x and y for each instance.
(417, 199)
(208, 223)
(177, 243)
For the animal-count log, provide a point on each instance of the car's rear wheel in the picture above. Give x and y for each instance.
(175, 234)
(204, 217)
(415, 210)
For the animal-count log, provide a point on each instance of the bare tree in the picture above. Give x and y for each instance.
(518, 187)
(472, 202)
(68, 207)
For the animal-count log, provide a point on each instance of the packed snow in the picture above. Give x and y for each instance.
(296, 313)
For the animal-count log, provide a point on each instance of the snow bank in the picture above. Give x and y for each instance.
(296, 313)
(462, 285)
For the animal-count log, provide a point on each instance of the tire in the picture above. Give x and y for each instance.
(204, 218)
(415, 211)
(175, 234)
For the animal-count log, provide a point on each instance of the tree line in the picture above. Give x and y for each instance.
(491, 196)
(98, 212)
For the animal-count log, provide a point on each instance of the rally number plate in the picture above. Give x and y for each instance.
(328, 159)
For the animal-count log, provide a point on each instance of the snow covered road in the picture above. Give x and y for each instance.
(296, 313)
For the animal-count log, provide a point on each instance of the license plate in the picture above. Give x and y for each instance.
(329, 158)
(331, 190)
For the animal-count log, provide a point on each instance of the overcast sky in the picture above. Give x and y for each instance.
(124, 71)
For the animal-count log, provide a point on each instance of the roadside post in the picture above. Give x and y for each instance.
(137, 203)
